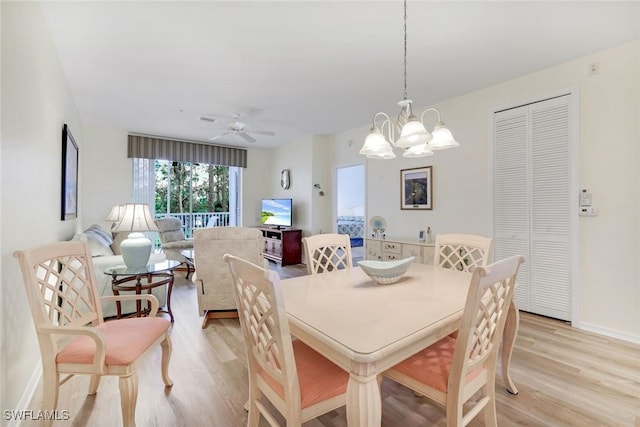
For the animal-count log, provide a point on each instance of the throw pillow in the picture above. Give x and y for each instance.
(101, 232)
(117, 239)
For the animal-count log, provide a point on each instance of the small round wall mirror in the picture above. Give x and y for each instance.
(285, 179)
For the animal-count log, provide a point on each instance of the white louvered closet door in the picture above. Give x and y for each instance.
(532, 202)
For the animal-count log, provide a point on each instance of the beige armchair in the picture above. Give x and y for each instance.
(173, 240)
(212, 277)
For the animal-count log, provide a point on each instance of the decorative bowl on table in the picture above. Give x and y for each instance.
(386, 272)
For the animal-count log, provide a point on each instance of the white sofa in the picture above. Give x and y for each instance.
(105, 253)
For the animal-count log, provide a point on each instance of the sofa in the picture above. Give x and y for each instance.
(105, 253)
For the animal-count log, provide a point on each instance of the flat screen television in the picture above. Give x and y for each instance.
(276, 212)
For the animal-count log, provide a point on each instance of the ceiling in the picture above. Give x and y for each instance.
(303, 68)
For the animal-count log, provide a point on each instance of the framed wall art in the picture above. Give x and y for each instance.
(416, 188)
(69, 201)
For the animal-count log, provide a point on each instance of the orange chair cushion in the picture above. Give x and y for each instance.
(126, 340)
(319, 378)
(431, 366)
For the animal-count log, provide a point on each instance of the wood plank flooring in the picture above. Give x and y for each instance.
(566, 377)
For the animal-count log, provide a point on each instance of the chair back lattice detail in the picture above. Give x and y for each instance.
(257, 311)
(264, 323)
(462, 252)
(327, 252)
(492, 306)
(61, 290)
(485, 313)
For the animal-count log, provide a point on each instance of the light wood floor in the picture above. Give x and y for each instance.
(566, 377)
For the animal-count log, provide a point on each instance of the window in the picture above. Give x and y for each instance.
(200, 195)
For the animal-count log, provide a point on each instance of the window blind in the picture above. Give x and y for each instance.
(151, 147)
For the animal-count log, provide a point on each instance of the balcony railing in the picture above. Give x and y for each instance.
(197, 220)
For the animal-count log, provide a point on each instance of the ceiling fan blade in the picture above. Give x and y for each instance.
(261, 132)
(246, 137)
(219, 136)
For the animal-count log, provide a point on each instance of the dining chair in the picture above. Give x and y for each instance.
(299, 382)
(461, 251)
(453, 370)
(327, 252)
(74, 339)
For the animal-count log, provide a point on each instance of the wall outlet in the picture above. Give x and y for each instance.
(594, 68)
(588, 211)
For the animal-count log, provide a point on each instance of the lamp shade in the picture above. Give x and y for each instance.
(136, 248)
(136, 217)
(442, 138)
(413, 133)
(376, 146)
(116, 213)
(421, 150)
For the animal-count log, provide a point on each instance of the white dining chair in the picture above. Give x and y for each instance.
(327, 252)
(299, 382)
(454, 369)
(461, 252)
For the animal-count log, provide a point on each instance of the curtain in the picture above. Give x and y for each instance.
(149, 147)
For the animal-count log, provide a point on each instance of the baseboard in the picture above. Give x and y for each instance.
(27, 395)
(613, 333)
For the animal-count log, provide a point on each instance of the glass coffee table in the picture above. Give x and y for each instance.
(128, 279)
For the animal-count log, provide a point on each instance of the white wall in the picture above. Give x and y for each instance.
(297, 157)
(609, 152)
(256, 184)
(321, 206)
(35, 104)
(106, 175)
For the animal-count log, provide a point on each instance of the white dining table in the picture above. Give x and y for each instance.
(367, 328)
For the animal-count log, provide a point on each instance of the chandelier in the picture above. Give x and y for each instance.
(413, 136)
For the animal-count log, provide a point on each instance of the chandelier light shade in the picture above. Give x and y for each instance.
(136, 248)
(413, 137)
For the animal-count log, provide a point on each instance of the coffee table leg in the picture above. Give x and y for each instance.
(169, 290)
(118, 306)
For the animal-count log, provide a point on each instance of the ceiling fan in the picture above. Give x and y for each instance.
(238, 128)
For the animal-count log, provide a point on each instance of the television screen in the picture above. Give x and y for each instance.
(276, 212)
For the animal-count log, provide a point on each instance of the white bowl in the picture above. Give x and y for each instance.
(386, 272)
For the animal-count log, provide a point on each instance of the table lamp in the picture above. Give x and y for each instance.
(115, 215)
(136, 248)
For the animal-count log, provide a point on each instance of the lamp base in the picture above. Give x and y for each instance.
(136, 250)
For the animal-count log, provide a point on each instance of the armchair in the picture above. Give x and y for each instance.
(74, 339)
(173, 240)
(212, 277)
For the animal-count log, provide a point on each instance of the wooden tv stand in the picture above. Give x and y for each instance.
(283, 246)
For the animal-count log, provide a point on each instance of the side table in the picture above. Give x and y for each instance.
(159, 274)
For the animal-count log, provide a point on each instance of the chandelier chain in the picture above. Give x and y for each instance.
(405, 49)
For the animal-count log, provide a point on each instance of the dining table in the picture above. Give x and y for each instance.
(366, 328)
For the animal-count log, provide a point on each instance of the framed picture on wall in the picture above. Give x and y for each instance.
(416, 188)
(69, 200)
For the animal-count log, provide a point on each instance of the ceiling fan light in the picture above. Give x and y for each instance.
(442, 138)
(413, 133)
(421, 150)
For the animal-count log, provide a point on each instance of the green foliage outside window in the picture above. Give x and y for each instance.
(191, 187)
